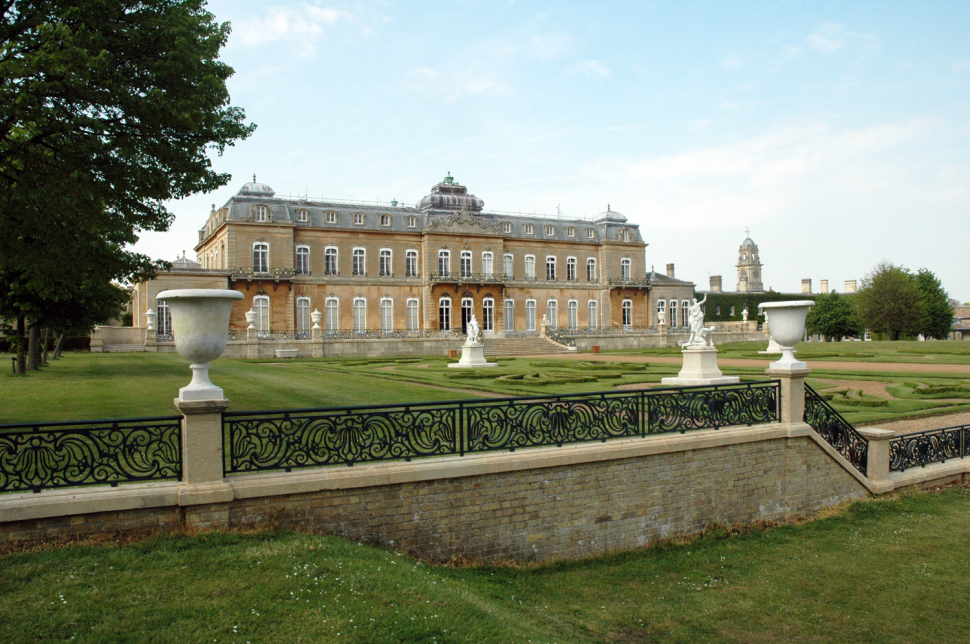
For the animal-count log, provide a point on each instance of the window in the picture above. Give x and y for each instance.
(163, 317)
(332, 308)
(684, 313)
(466, 263)
(661, 308)
(530, 315)
(487, 263)
(360, 314)
(573, 314)
(552, 313)
(506, 228)
(593, 314)
(570, 231)
(732, 310)
(261, 213)
(625, 268)
(385, 267)
(412, 222)
(444, 314)
(488, 314)
(330, 261)
(302, 260)
(507, 266)
(261, 308)
(551, 268)
(509, 315)
(571, 269)
(625, 235)
(411, 263)
(413, 323)
(550, 231)
(530, 267)
(529, 229)
(358, 219)
(673, 312)
(387, 314)
(466, 312)
(385, 220)
(444, 262)
(359, 266)
(627, 314)
(590, 233)
(590, 270)
(331, 217)
(302, 216)
(303, 315)
(260, 257)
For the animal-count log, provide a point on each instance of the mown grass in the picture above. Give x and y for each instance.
(888, 571)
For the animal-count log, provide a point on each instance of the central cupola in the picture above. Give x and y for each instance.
(449, 195)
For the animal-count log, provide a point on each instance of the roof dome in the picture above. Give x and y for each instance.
(254, 189)
(748, 243)
(450, 195)
(610, 215)
(185, 262)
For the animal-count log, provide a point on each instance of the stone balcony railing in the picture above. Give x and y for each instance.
(637, 282)
(276, 274)
(471, 278)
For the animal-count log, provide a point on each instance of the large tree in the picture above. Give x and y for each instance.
(108, 109)
(832, 316)
(936, 313)
(889, 301)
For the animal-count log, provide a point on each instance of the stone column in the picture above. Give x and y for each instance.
(877, 466)
(792, 393)
(205, 495)
(316, 335)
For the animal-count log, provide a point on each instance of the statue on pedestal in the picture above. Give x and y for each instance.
(473, 331)
(699, 334)
(744, 313)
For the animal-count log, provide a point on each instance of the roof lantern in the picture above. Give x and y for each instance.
(450, 195)
(254, 189)
(610, 215)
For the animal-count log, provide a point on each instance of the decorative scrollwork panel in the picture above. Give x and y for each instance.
(924, 448)
(683, 409)
(836, 430)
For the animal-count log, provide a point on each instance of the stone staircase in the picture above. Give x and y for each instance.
(511, 347)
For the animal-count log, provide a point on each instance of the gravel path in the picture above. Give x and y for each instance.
(912, 425)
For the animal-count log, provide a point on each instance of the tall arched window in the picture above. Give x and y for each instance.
(386, 262)
(163, 318)
(333, 314)
(573, 314)
(260, 257)
(411, 263)
(507, 265)
(552, 313)
(509, 315)
(444, 262)
(625, 268)
(360, 314)
(466, 263)
(673, 313)
(359, 262)
(487, 263)
(467, 305)
(684, 313)
(530, 267)
(330, 261)
(570, 269)
(302, 260)
(444, 314)
(261, 308)
(551, 268)
(303, 315)
(387, 314)
(530, 315)
(593, 312)
(627, 314)
(414, 323)
(488, 314)
(590, 270)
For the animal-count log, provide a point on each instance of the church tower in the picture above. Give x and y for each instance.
(749, 267)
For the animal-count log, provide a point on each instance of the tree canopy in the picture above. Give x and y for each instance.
(889, 301)
(936, 313)
(833, 316)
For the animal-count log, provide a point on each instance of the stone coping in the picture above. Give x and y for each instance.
(20, 506)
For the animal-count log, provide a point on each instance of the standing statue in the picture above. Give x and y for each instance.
(744, 313)
(699, 334)
(473, 331)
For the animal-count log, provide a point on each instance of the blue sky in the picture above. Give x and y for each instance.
(838, 132)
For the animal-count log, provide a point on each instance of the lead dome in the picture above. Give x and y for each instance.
(256, 189)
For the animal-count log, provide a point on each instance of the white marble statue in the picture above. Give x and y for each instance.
(699, 334)
(473, 332)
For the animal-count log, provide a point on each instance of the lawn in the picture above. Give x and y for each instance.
(885, 570)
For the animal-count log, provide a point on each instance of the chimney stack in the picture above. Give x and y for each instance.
(715, 283)
(807, 285)
(670, 270)
(824, 286)
(850, 286)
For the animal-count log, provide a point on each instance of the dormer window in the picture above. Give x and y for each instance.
(529, 229)
(625, 235)
(412, 222)
(358, 219)
(302, 216)
(550, 231)
(331, 217)
(385, 220)
(506, 228)
(261, 213)
(570, 231)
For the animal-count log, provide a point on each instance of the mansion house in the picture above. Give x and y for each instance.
(416, 270)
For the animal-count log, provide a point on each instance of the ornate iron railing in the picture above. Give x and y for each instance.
(836, 430)
(165, 337)
(933, 446)
(610, 330)
(560, 336)
(290, 439)
(46, 456)
(270, 274)
(483, 278)
(630, 281)
(346, 335)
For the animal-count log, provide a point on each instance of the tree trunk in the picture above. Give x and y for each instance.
(33, 359)
(47, 339)
(21, 346)
(57, 347)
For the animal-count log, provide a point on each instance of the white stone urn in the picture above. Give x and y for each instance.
(787, 329)
(150, 318)
(200, 323)
(251, 320)
(316, 316)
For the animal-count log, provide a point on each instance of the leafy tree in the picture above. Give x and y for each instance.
(832, 316)
(108, 109)
(936, 317)
(889, 301)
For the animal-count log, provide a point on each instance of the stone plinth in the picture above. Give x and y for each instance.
(700, 368)
(287, 353)
(472, 357)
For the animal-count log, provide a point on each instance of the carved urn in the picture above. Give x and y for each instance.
(787, 328)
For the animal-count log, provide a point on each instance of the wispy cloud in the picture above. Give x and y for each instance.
(702, 125)
(548, 46)
(483, 85)
(828, 38)
(733, 61)
(301, 26)
(595, 68)
(963, 64)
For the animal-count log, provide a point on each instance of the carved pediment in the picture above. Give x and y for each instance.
(463, 222)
